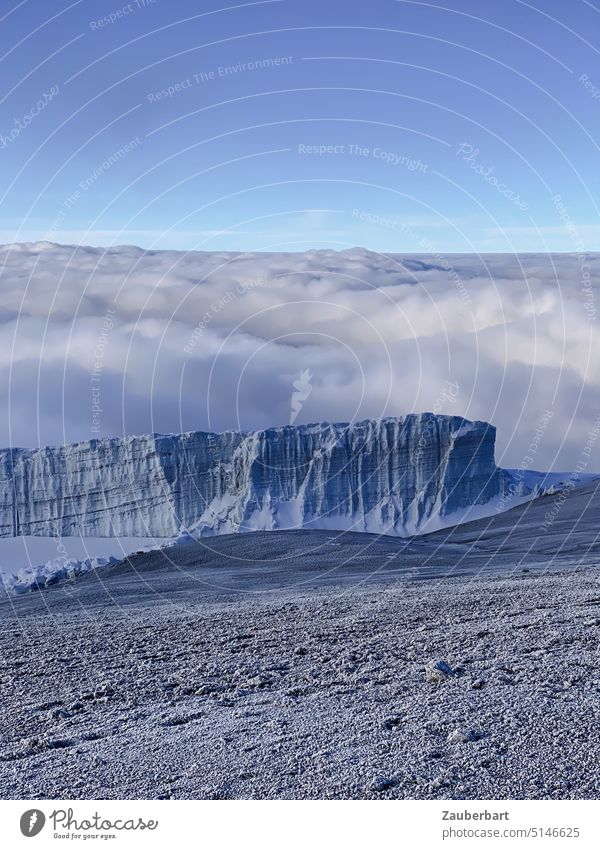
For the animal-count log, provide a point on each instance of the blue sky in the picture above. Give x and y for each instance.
(286, 125)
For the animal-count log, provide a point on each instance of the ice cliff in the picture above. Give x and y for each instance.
(395, 475)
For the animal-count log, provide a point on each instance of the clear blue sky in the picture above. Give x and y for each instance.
(388, 91)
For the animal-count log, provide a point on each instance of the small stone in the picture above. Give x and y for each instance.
(59, 713)
(437, 671)
(459, 735)
(259, 681)
(33, 745)
(392, 722)
(381, 783)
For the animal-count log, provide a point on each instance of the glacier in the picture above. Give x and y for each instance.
(54, 570)
(398, 476)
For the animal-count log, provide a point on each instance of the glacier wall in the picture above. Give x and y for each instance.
(395, 475)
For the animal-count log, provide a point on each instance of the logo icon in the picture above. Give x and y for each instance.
(32, 822)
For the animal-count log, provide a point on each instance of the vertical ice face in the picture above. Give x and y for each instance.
(8, 514)
(388, 475)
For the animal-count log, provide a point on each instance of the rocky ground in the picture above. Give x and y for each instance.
(324, 691)
(311, 664)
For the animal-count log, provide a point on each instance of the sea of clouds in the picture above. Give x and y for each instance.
(105, 342)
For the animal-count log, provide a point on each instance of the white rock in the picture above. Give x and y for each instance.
(459, 735)
(437, 671)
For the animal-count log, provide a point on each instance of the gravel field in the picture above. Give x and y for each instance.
(320, 695)
(294, 678)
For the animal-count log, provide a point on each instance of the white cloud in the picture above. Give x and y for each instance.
(217, 339)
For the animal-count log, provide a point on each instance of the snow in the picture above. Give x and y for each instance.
(26, 562)
(51, 572)
(547, 483)
(20, 552)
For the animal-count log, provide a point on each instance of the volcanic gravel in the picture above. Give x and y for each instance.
(456, 688)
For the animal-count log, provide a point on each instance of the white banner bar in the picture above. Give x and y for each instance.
(281, 824)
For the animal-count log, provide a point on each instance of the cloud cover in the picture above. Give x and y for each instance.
(107, 342)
